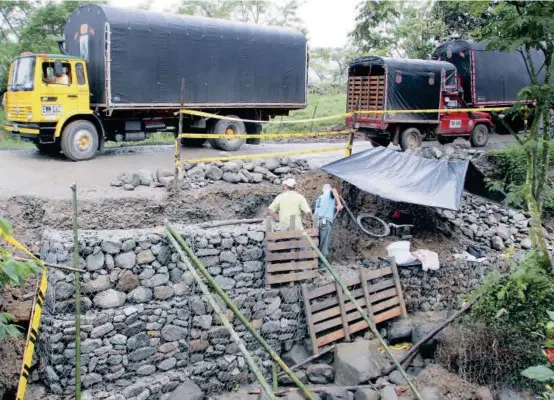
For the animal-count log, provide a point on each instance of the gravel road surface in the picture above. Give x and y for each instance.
(26, 172)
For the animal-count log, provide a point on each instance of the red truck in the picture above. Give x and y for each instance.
(394, 87)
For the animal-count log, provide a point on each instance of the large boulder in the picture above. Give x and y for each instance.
(366, 394)
(295, 355)
(358, 362)
(400, 331)
(187, 390)
(389, 393)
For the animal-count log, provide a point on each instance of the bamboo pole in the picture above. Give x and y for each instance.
(351, 136)
(313, 116)
(55, 266)
(364, 315)
(77, 296)
(239, 315)
(234, 335)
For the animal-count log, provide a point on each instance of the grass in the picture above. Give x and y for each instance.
(329, 104)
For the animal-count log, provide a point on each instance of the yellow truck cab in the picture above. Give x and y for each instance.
(48, 103)
(120, 72)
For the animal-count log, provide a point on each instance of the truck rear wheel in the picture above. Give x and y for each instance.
(80, 140)
(480, 135)
(50, 149)
(229, 128)
(410, 139)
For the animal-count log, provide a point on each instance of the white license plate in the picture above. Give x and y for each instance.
(456, 123)
(51, 109)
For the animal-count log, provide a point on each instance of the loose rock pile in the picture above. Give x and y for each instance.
(450, 152)
(273, 170)
(491, 225)
(363, 363)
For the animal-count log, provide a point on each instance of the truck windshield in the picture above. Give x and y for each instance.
(23, 74)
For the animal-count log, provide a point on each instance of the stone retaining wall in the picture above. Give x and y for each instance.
(143, 316)
(144, 319)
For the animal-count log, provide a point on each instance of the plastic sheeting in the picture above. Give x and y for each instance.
(410, 84)
(222, 62)
(487, 76)
(404, 178)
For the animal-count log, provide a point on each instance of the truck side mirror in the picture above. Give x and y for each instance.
(58, 69)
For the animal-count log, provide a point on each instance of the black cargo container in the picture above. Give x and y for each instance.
(488, 77)
(136, 59)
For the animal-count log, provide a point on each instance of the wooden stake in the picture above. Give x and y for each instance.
(234, 335)
(240, 316)
(177, 172)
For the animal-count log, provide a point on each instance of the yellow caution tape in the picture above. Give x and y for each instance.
(36, 313)
(263, 137)
(401, 346)
(266, 155)
(32, 336)
(343, 115)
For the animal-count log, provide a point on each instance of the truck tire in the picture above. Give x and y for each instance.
(228, 127)
(480, 135)
(410, 139)
(80, 140)
(50, 149)
(445, 139)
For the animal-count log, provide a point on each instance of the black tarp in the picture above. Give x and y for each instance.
(499, 76)
(224, 63)
(411, 179)
(411, 84)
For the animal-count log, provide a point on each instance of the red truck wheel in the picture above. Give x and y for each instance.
(410, 139)
(480, 135)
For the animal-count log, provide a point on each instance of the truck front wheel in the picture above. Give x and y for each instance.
(228, 128)
(480, 135)
(410, 139)
(80, 140)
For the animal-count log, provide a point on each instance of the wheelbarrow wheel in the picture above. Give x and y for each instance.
(373, 226)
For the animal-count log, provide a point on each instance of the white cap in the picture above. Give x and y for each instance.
(290, 182)
(326, 188)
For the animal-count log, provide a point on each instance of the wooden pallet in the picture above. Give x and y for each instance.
(332, 317)
(289, 256)
(366, 92)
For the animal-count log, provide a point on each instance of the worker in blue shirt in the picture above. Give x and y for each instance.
(327, 206)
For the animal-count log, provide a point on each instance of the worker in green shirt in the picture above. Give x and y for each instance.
(289, 203)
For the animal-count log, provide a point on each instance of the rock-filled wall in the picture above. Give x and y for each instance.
(146, 328)
(143, 318)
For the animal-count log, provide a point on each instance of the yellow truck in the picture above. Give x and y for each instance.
(119, 79)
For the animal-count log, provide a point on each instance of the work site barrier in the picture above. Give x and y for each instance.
(273, 136)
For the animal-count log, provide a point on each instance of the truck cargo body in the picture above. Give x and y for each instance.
(136, 59)
(121, 72)
(401, 92)
(489, 78)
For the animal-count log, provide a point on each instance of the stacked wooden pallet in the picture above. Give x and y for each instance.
(366, 91)
(290, 257)
(331, 317)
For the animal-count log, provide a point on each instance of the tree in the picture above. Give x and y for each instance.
(529, 27)
(461, 18)
(397, 29)
(12, 272)
(279, 13)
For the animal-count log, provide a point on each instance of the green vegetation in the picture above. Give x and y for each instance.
(12, 273)
(330, 104)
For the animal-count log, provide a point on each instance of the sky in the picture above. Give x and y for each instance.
(328, 21)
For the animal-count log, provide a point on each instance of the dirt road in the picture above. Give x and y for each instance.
(26, 172)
